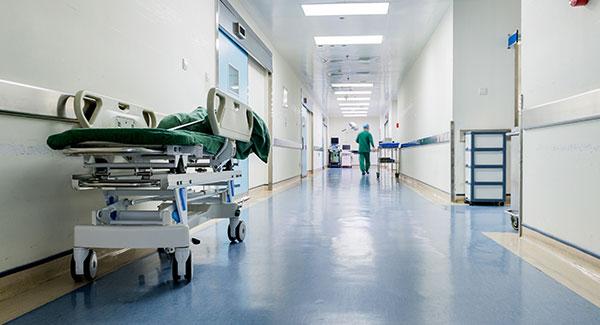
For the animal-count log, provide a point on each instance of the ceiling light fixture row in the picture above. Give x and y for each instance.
(349, 40)
(354, 104)
(346, 9)
(353, 99)
(353, 92)
(353, 85)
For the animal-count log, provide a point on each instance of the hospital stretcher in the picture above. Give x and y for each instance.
(157, 183)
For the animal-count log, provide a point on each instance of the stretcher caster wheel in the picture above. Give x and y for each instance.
(231, 238)
(240, 231)
(189, 269)
(90, 266)
(238, 234)
(514, 221)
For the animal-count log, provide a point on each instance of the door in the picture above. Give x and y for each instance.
(304, 142)
(257, 97)
(325, 146)
(233, 78)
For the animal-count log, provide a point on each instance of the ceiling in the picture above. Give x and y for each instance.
(406, 29)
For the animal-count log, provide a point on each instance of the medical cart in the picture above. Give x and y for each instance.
(388, 153)
(485, 167)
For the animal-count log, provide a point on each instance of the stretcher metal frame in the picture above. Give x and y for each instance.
(156, 194)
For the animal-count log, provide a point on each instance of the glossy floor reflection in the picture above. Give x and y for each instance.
(337, 249)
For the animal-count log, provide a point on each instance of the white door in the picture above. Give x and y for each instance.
(233, 78)
(257, 99)
(304, 158)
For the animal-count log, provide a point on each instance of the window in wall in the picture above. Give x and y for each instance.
(234, 80)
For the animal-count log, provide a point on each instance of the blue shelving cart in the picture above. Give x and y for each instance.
(485, 169)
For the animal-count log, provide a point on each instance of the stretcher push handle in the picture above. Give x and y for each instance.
(231, 118)
(98, 111)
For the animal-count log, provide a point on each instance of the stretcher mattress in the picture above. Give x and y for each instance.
(197, 134)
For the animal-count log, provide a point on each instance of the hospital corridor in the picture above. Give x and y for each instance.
(300, 162)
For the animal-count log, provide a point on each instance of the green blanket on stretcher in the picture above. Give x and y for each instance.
(196, 134)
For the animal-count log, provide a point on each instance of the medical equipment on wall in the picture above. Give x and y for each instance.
(184, 177)
(347, 156)
(335, 159)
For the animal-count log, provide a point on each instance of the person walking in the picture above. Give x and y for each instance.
(365, 143)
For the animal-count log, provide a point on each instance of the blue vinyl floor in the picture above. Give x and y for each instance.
(337, 249)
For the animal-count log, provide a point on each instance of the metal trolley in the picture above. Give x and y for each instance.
(389, 153)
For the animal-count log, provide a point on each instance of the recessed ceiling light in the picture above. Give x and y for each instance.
(346, 9)
(353, 85)
(354, 108)
(354, 104)
(353, 99)
(349, 40)
(353, 92)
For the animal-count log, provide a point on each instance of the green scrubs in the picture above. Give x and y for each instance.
(365, 142)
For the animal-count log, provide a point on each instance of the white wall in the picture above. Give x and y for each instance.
(560, 50)
(482, 62)
(424, 108)
(425, 94)
(126, 49)
(561, 171)
(422, 163)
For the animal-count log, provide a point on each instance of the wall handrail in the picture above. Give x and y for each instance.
(285, 143)
(17, 99)
(575, 109)
(434, 139)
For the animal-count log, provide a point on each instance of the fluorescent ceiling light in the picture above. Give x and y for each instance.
(348, 109)
(361, 115)
(348, 40)
(354, 99)
(346, 9)
(353, 85)
(353, 92)
(354, 104)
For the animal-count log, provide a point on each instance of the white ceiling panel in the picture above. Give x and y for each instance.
(405, 29)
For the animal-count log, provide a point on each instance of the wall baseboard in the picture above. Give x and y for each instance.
(431, 192)
(561, 245)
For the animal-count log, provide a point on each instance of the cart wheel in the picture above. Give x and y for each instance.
(231, 238)
(378, 175)
(90, 266)
(397, 175)
(76, 277)
(514, 221)
(240, 231)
